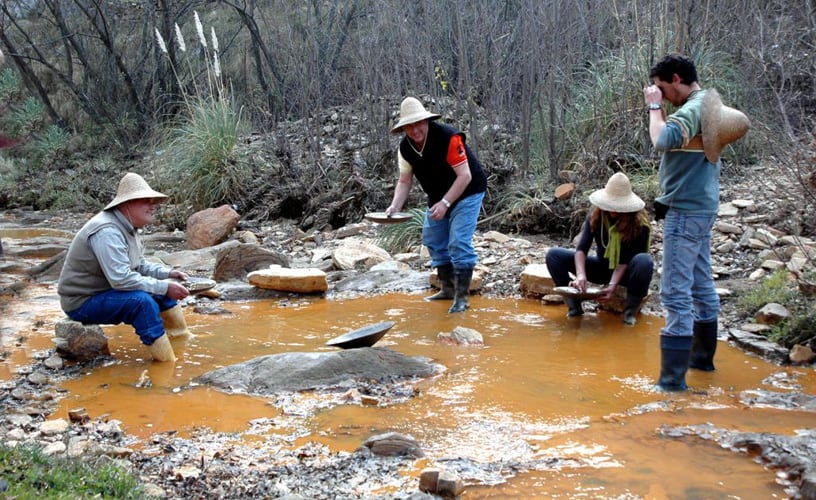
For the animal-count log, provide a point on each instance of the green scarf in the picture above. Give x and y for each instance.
(613, 248)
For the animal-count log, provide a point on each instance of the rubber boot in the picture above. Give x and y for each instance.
(674, 362)
(632, 309)
(574, 306)
(174, 322)
(461, 290)
(162, 350)
(445, 273)
(704, 346)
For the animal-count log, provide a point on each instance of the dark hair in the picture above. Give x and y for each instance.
(630, 224)
(674, 63)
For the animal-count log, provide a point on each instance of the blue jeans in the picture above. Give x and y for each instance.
(686, 285)
(636, 279)
(450, 240)
(136, 308)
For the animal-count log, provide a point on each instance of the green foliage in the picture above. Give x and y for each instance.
(30, 474)
(645, 183)
(10, 86)
(775, 288)
(201, 163)
(26, 118)
(396, 238)
(24, 184)
(50, 146)
(800, 327)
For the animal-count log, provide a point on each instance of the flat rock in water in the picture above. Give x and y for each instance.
(301, 371)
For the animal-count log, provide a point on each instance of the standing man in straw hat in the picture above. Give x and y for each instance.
(452, 177)
(106, 280)
(620, 228)
(691, 140)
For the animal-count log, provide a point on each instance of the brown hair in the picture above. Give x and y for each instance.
(630, 224)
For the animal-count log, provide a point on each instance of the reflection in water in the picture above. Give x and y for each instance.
(568, 405)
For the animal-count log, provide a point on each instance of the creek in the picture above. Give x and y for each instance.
(573, 400)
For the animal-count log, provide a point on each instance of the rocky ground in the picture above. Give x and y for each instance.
(750, 241)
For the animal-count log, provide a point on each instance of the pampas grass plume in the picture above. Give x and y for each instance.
(180, 39)
(200, 29)
(160, 40)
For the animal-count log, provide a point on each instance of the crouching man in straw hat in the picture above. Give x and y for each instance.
(452, 177)
(691, 140)
(106, 280)
(619, 225)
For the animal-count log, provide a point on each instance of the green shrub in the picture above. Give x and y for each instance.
(398, 238)
(30, 474)
(201, 164)
(775, 288)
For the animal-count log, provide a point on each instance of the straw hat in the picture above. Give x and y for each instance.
(412, 111)
(133, 187)
(617, 196)
(721, 125)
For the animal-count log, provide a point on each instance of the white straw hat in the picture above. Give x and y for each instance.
(412, 111)
(721, 125)
(617, 196)
(133, 187)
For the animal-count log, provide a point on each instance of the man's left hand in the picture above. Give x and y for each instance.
(178, 275)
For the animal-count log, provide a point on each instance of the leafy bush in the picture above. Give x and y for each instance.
(775, 288)
(398, 238)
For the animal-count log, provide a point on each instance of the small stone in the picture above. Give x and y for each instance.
(801, 354)
(78, 415)
(53, 427)
(369, 401)
(54, 362)
(38, 378)
(54, 448)
(727, 228)
(428, 479)
(772, 314)
(772, 265)
(755, 327)
(19, 419)
(15, 434)
(742, 203)
(449, 485)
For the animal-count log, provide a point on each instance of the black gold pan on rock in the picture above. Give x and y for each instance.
(573, 293)
(394, 218)
(362, 337)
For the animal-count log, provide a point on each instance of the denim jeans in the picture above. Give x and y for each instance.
(686, 285)
(136, 308)
(636, 279)
(450, 240)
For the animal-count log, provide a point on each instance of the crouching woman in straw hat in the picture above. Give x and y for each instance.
(452, 177)
(106, 280)
(619, 225)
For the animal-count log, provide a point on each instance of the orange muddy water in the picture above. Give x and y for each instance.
(572, 397)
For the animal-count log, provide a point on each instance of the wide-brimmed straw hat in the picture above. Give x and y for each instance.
(133, 187)
(617, 196)
(412, 111)
(721, 125)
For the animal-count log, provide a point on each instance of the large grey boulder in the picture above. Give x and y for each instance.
(301, 371)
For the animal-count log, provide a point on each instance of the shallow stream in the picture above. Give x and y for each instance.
(571, 398)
